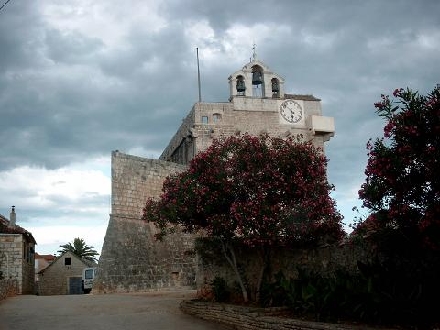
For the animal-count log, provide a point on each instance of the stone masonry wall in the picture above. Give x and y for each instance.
(242, 317)
(131, 258)
(134, 179)
(208, 121)
(8, 288)
(16, 262)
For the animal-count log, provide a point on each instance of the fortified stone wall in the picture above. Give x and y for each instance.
(134, 179)
(131, 258)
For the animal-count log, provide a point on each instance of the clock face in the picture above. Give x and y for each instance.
(291, 111)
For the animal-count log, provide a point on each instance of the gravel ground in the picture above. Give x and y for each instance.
(153, 310)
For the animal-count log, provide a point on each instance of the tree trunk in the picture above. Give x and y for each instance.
(227, 248)
(264, 261)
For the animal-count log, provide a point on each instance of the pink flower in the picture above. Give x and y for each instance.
(397, 92)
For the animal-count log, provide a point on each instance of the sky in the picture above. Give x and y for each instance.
(81, 78)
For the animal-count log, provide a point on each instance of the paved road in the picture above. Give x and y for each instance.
(155, 311)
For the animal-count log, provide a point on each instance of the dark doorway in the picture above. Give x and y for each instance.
(75, 285)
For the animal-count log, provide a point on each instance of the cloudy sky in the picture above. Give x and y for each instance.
(81, 78)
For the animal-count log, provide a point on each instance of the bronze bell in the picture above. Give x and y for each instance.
(275, 87)
(240, 86)
(257, 78)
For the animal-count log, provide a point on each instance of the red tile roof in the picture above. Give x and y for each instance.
(47, 257)
(5, 228)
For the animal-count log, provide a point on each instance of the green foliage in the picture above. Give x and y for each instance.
(377, 295)
(396, 292)
(311, 294)
(209, 249)
(219, 288)
(80, 249)
(380, 293)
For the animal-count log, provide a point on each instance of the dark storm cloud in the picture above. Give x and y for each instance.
(84, 100)
(66, 95)
(70, 48)
(79, 79)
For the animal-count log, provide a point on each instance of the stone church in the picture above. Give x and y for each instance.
(131, 258)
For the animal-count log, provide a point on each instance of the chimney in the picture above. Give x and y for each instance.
(12, 217)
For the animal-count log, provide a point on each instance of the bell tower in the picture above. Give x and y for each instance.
(257, 104)
(256, 80)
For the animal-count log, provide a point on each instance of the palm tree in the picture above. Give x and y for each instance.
(80, 249)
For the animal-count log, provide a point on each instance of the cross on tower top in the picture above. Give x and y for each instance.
(254, 48)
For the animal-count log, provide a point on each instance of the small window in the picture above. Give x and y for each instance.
(67, 261)
(216, 117)
(204, 120)
(25, 251)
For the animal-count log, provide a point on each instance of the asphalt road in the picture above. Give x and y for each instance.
(155, 311)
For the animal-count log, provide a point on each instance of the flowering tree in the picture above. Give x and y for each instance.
(402, 187)
(258, 191)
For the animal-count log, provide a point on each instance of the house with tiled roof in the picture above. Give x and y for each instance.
(63, 275)
(17, 254)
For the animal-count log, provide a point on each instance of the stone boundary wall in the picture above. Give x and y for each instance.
(240, 317)
(8, 288)
(325, 260)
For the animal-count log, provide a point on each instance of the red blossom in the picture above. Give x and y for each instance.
(254, 187)
(402, 171)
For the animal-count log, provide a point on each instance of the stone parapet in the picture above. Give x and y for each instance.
(240, 317)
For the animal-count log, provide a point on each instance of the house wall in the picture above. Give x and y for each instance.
(54, 280)
(40, 264)
(17, 261)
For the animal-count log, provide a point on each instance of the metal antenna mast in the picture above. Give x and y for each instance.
(1, 7)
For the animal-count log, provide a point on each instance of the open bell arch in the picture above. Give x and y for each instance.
(256, 80)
